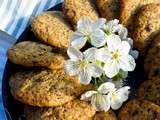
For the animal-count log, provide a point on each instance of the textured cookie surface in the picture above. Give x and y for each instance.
(45, 87)
(109, 115)
(128, 8)
(31, 53)
(75, 9)
(139, 110)
(150, 90)
(152, 60)
(75, 110)
(51, 28)
(146, 26)
(108, 8)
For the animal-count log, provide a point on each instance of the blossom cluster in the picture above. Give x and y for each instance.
(101, 53)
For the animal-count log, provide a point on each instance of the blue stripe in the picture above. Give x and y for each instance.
(18, 25)
(14, 14)
(35, 9)
(47, 4)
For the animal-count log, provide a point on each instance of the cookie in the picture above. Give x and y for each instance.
(150, 90)
(51, 28)
(75, 9)
(29, 53)
(152, 60)
(46, 88)
(146, 26)
(108, 9)
(109, 115)
(139, 110)
(75, 110)
(128, 9)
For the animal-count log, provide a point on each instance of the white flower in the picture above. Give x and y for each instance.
(116, 56)
(118, 96)
(88, 31)
(98, 98)
(122, 32)
(114, 28)
(111, 27)
(80, 64)
(107, 96)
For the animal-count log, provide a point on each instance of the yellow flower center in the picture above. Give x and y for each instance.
(108, 32)
(115, 56)
(114, 96)
(82, 64)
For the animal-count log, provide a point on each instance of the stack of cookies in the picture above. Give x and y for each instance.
(49, 94)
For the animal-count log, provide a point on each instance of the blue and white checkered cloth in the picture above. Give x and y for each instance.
(14, 18)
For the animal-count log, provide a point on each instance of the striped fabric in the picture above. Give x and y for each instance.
(14, 18)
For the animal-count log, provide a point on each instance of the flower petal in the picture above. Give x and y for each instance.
(115, 100)
(124, 48)
(71, 67)
(84, 77)
(103, 55)
(118, 97)
(129, 40)
(116, 105)
(111, 68)
(78, 40)
(113, 42)
(112, 25)
(134, 53)
(122, 31)
(74, 54)
(99, 23)
(127, 63)
(100, 102)
(106, 87)
(84, 23)
(90, 54)
(87, 96)
(94, 70)
(123, 93)
(98, 38)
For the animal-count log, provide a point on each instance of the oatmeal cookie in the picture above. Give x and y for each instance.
(46, 88)
(75, 9)
(150, 90)
(109, 115)
(74, 110)
(128, 9)
(51, 28)
(108, 8)
(152, 60)
(139, 110)
(146, 26)
(29, 53)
